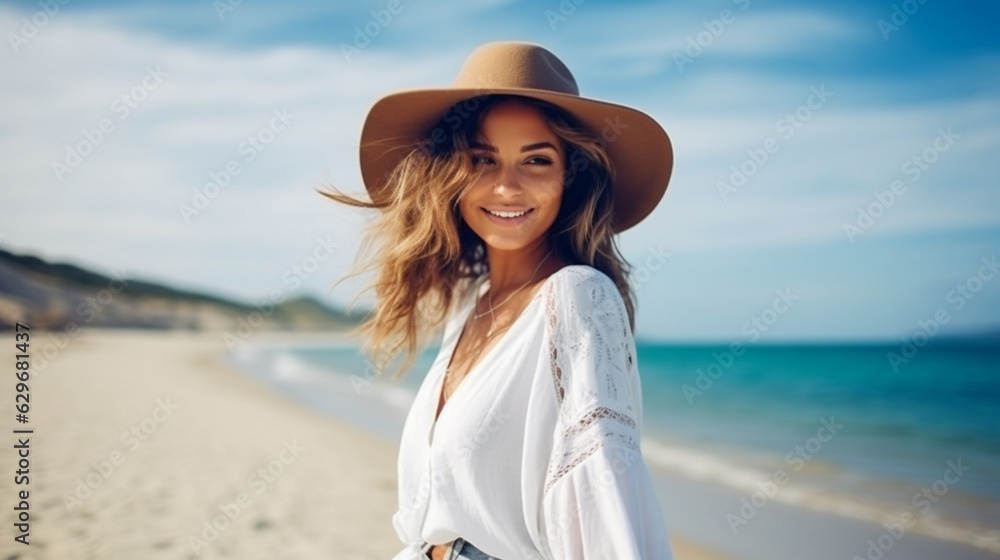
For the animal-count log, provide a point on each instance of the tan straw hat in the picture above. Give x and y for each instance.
(638, 146)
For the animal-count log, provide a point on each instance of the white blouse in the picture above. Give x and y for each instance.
(536, 455)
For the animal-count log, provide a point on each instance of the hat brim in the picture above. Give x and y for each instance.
(637, 145)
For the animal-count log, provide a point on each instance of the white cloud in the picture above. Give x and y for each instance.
(818, 177)
(120, 206)
(744, 34)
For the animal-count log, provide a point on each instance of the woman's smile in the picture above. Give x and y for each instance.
(508, 217)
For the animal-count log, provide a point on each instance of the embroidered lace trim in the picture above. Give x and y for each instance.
(592, 358)
(593, 416)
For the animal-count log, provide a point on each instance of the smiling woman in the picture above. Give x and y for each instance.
(499, 209)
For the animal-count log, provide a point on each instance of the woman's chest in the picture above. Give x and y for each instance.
(485, 414)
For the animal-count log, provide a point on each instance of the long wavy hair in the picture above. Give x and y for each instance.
(424, 255)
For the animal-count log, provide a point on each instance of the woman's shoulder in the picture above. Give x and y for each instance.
(581, 281)
(573, 274)
(581, 296)
(592, 352)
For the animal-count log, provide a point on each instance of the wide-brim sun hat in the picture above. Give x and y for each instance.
(638, 147)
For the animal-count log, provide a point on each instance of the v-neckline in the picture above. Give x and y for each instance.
(483, 360)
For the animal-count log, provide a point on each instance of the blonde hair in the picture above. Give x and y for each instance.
(423, 252)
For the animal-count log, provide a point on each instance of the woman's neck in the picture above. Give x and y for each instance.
(511, 270)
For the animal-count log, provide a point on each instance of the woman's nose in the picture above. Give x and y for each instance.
(507, 181)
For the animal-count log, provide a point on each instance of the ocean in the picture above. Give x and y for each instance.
(901, 437)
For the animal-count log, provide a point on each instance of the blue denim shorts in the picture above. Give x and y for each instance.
(461, 549)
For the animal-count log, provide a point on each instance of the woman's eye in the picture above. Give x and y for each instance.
(479, 159)
(539, 160)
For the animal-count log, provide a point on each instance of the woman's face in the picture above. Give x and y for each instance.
(517, 197)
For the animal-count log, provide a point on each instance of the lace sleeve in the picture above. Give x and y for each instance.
(593, 363)
(599, 500)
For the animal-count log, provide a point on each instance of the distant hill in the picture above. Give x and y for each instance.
(51, 296)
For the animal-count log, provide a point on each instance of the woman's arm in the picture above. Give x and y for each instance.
(598, 499)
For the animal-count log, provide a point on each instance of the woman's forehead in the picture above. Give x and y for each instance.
(515, 121)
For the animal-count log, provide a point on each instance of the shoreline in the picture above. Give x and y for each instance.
(151, 444)
(766, 535)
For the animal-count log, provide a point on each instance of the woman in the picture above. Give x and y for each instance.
(500, 198)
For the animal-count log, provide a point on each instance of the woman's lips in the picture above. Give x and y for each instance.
(508, 221)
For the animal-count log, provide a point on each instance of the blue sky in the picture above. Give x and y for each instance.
(712, 256)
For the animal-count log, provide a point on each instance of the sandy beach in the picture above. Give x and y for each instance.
(149, 445)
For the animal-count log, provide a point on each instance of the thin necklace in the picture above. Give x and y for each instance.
(514, 293)
(492, 307)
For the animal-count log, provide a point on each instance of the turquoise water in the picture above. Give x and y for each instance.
(905, 424)
(849, 431)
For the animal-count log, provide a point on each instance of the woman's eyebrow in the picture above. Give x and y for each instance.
(538, 145)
